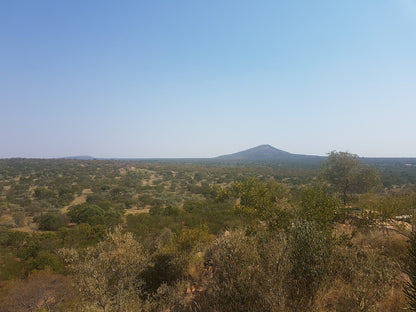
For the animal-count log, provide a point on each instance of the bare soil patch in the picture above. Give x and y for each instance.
(136, 210)
(78, 200)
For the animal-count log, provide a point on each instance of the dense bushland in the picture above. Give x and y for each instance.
(134, 236)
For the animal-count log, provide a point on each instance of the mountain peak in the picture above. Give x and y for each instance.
(261, 152)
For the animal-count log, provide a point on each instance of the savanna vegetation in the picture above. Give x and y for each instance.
(101, 235)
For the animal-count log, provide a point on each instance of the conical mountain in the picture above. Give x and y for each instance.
(261, 152)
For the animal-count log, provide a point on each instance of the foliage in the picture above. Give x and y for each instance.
(94, 214)
(259, 202)
(346, 173)
(247, 274)
(319, 206)
(362, 275)
(107, 275)
(291, 246)
(410, 285)
(82, 235)
(310, 256)
(175, 254)
(41, 291)
(51, 221)
(172, 298)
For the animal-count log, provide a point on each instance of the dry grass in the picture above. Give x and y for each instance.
(151, 180)
(78, 200)
(393, 301)
(136, 210)
(368, 275)
(27, 228)
(390, 244)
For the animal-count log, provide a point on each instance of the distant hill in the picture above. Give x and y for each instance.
(80, 157)
(400, 168)
(261, 152)
(269, 155)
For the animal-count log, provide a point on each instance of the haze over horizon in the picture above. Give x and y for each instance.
(175, 79)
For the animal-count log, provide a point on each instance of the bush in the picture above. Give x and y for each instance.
(51, 221)
(410, 285)
(248, 274)
(107, 275)
(94, 214)
(310, 256)
(41, 291)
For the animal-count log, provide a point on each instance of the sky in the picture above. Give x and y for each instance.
(167, 79)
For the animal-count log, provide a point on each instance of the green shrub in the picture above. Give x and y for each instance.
(51, 221)
(248, 274)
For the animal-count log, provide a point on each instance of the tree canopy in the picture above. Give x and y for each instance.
(347, 175)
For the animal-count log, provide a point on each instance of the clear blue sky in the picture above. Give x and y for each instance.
(204, 78)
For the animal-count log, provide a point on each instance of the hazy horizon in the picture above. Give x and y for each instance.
(179, 158)
(190, 79)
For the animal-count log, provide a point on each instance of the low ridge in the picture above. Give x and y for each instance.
(79, 157)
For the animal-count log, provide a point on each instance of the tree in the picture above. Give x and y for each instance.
(84, 213)
(94, 214)
(265, 203)
(51, 221)
(318, 206)
(345, 172)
